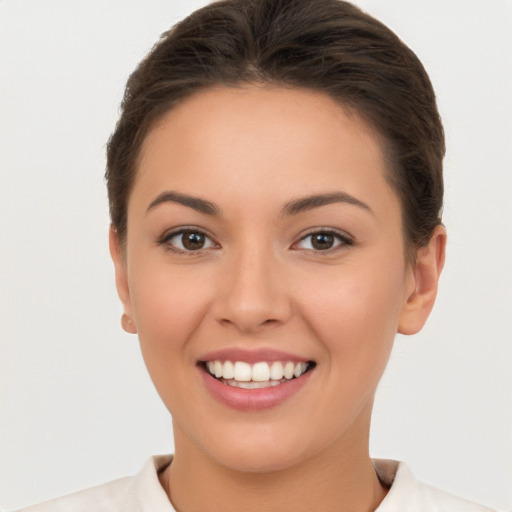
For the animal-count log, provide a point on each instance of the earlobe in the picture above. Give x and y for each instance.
(123, 290)
(425, 274)
(127, 324)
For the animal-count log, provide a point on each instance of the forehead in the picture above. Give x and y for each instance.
(261, 109)
(261, 140)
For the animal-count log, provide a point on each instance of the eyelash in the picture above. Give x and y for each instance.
(165, 241)
(343, 240)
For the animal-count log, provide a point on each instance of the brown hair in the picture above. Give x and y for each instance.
(330, 46)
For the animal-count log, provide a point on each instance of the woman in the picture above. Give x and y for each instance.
(275, 187)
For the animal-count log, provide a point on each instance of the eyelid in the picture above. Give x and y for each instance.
(171, 233)
(344, 238)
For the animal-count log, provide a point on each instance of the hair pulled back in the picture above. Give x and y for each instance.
(329, 46)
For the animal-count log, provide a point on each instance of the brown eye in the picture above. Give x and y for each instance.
(188, 240)
(322, 241)
(192, 241)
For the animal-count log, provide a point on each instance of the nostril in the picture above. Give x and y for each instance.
(247, 325)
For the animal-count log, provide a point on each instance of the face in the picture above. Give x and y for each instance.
(264, 246)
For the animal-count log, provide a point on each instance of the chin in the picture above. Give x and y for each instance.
(259, 461)
(258, 454)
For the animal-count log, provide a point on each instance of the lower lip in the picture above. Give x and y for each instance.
(253, 399)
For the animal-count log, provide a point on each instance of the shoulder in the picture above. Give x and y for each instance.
(140, 493)
(441, 500)
(110, 497)
(408, 494)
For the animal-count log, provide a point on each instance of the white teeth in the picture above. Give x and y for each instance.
(288, 370)
(228, 371)
(250, 377)
(260, 372)
(242, 372)
(252, 384)
(276, 371)
(299, 369)
(218, 369)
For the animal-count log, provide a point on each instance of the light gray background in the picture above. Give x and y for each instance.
(76, 405)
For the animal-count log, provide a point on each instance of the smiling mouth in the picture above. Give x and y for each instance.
(258, 375)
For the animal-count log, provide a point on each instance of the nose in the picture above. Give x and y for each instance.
(252, 292)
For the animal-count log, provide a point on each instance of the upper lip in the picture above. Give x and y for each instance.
(251, 356)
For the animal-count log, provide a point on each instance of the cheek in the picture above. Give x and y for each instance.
(355, 311)
(168, 305)
(355, 318)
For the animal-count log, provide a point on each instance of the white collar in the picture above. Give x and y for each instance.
(405, 492)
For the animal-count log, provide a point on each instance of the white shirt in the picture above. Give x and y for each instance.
(143, 493)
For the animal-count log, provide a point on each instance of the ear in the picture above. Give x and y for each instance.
(422, 292)
(123, 290)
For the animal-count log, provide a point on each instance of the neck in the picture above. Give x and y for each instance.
(341, 478)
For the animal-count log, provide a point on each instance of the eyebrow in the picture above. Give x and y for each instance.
(293, 207)
(196, 203)
(314, 201)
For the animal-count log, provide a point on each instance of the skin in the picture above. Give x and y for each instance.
(259, 282)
